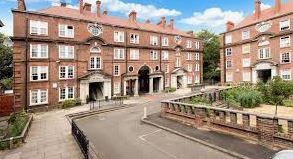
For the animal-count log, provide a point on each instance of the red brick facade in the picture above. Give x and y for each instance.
(259, 47)
(83, 41)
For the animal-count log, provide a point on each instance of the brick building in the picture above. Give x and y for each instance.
(259, 47)
(63, 53)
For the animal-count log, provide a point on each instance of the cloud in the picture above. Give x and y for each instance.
(143, 11)
(68, 5)
(264, 6)
(213, 18)
(7, 29)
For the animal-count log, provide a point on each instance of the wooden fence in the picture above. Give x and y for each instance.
(6, 104)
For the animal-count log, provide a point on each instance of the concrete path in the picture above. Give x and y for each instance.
(223, 141)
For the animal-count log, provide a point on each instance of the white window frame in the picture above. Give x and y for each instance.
(285, 24)
(134, 54)
(154, 40)
(116, 72)
(246, 62)
(196, 79)
(95, 64)
(282, 60)
(189, 80)
(66, 94)
(229, 66)
(68, 33)
(189, 67)
(228, 39)
(188, 44)
(178, 62)
(39, 72)
(165, 55)
(245, 34)
(38, 25)
(229, 77)
(228, 50)
(245, 48)
(197, 45)
(197, 68)
(154, 55)
(119, 36)
(288, 41)
(189, 56)
(134, 39)
(196, 56)
(39, 51)
(39, 97)
(119, 53)
(117, 88)
(265, 54)
(66, 72)
(289, 74)
(165, 41)
(246, 76)
(66, 52)
(166, 68)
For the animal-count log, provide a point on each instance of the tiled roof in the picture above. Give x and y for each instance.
(106, 19)
(267, 14)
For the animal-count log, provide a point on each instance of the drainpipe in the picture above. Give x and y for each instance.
(224, 59)
(26, 68)
(161, 48)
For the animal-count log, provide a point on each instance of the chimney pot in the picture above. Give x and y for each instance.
(132, 16)
(171, 25)
(162, 23)
(257, 9)
(229, 25)
(105, 12)
(87, 7)
(21, 5)
(148, 21)
(278, 4)
(98, 4)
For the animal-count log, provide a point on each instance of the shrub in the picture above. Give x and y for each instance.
(170, 90)
(70, 103)
(199, 100)
(244, 96)
(288, 103)
(17, 122)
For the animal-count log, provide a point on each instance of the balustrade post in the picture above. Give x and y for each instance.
(233, 118)
(199, 116)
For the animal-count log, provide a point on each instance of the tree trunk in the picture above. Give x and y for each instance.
(276, 111)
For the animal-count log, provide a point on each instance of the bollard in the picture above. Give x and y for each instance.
(144, 113)
(11, 143)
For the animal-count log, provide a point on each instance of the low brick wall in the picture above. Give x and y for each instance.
(263, 128)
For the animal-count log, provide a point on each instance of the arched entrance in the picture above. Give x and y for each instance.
(143, 79)
(264, 71)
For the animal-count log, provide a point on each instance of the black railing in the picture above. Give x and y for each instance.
(81, 139)
(117, 100)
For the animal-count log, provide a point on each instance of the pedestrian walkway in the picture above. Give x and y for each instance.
(224, 141)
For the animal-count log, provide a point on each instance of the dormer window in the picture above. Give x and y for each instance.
(66, 31)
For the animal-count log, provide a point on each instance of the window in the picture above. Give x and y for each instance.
(134, 38)
(66, 72)
(196, 67)
(228, 39)
(228, 51)
(165, 55)
(196, 79)
(66, 93)
(154, 40)
(246, 49)
(197, 56)
(39, 73)
(154, 55)
(245, 35)
(286, 57)
(246, 62)
(118, 53)
(134, 54)
(130, 69)
(66, 52)
(116, 70)
(285, 25)
(264, 53)
(189, 44)
(165, 41)
(228, 64)
(95, 49)
(166, 68)
(189, 67)
(229, 77)
(286, 74)
(246, 76)
(38, 28)
(117, 88)
(157, 68)
(38, 97)
(285, 41)
(197, 45)
(189, 80)
(39, 50)
(178, 62)
(66, 31)
(95, 63)
(189, 56)
(119, 36)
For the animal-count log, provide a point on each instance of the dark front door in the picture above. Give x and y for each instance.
(264, 75)
(96, 91)
(143, 79)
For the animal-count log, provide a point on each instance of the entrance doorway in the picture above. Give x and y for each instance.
(143, 79)
(156, 84)
(130, 86)
(96, 91)
(264, 75)
(179, 82)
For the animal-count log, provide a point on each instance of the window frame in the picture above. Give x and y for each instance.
(284, 45)
(229, 66)
(189, 44)
(290, 74)
(39, 69)
(120, 34)
(265, 57)
(245, 37)
(165, 41)
(118, 70)
(154, 40)
(66, 72)
(39, 52)
(228, 39)
(165, 55)
(66, 31)
(39, 97)
(281, 58)
(66, 52)
(134, 54)
(154, 55)
(66, 93)
(243, 62)
(38, 25)
(226, 51)
(289, 25)
(120, 55)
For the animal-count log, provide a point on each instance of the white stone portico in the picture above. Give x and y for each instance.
(95, 77)
(179, 75)
(263, 65)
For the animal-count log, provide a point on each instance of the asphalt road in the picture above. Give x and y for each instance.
(121, 135)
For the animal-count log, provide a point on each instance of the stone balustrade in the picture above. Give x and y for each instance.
(263, 128)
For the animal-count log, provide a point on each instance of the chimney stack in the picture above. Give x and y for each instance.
(98, 4)
(105, 12)
(257, 9)
(229, 25)
(132, 16)
(171, 25)
(21, 5)
(148, 21)
(162, 23)
(278, 4)
(81, 6)
(87, 7)
(63, 4)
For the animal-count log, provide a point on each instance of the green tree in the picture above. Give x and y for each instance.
(5, 59)
(211, 55)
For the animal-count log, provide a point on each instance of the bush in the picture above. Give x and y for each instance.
(199, 100)
(288, 103)
(17, 122)
(244, 96)
(170, 90)
(71, 103)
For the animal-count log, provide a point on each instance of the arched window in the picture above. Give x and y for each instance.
(95, 49)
